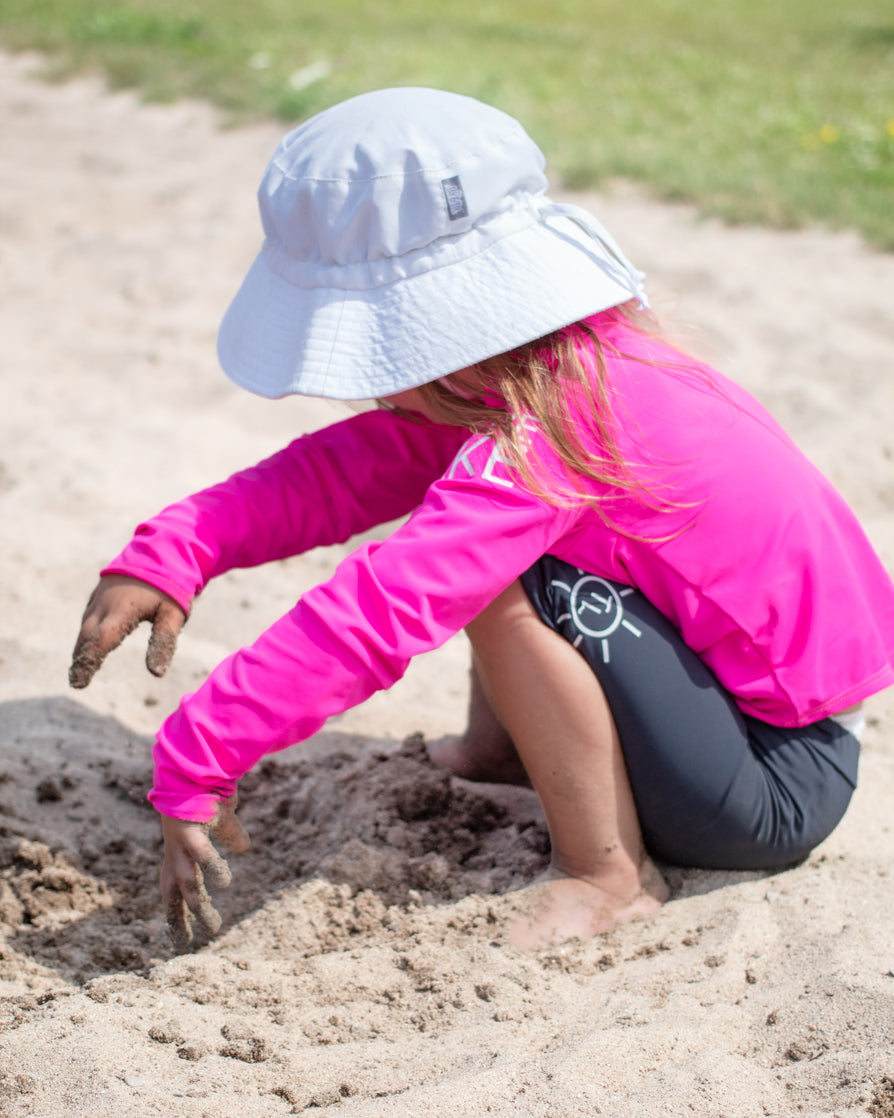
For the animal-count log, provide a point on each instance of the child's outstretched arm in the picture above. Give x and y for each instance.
(115, 608)
(321, 489)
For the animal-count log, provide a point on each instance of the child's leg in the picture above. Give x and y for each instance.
(712, 788)
(556, 715)
(485, 752)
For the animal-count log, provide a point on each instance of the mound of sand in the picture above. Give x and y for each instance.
(362, 969)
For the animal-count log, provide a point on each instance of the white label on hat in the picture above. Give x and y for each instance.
(456, 199)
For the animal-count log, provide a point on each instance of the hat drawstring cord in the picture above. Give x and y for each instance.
(611, 255)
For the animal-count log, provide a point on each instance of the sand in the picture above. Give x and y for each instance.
(361, 969)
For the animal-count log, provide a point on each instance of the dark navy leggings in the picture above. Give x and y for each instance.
(713, 787)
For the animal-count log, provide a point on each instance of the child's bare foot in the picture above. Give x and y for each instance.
(485, 752)
(491, 761)
(558, 907)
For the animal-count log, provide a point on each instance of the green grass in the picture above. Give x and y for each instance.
(776, 111)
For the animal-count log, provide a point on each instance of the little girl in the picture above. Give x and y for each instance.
(674, 617)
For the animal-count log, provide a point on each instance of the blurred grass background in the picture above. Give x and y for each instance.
(775, 111)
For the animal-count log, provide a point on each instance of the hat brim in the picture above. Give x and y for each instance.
(278, 339)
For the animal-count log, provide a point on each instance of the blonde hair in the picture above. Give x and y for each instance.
(561, 383)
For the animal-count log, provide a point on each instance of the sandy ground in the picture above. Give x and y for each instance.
(360, 971)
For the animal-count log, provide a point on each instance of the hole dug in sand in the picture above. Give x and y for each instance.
(376, 829)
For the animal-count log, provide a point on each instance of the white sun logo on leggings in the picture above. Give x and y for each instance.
(596, 610)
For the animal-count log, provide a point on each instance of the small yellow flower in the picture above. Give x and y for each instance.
(829, 133)
(891, 126)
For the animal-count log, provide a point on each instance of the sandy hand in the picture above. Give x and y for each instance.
(116, 607)
(191, 864)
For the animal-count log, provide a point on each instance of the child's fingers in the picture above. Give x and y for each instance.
(116, 607)
(178, 872)
(187, 903)
(197, 861)
(85, 662)
(166, 626)
(199, 904)
(177, 919)
(226, 829)
(95, 642)
(216, 872)
(190, 862)
(230, 833)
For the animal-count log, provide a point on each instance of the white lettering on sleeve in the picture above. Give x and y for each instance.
(488, 473)
(496, 459)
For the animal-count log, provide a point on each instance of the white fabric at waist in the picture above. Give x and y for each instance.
(854, 721)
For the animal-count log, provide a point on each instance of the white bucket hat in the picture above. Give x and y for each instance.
(408, 235)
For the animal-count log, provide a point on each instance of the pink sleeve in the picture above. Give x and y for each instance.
(321, 489)
(474, 534)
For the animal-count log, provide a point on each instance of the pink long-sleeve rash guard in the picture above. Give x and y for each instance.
(733, 535)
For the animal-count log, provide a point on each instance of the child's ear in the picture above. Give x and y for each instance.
(465, 383)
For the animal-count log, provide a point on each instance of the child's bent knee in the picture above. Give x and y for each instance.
(508, 610)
